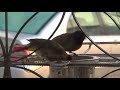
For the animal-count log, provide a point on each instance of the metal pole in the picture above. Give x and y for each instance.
(7, 71)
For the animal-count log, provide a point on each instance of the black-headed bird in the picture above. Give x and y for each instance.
(70, 41)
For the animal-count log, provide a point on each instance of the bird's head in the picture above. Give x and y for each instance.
(79, 35)
(36, 40)
(36, 43)
(33, 44)
(31, 40)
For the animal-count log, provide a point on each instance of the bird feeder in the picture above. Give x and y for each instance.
(73, 69)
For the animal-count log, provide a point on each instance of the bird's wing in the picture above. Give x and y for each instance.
(62, 39)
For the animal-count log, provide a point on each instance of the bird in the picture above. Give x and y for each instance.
(48, 49)
(70, 41)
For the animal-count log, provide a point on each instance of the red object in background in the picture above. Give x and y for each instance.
(17, 48)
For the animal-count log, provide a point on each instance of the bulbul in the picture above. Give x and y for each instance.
(48, 49)
(70, 41)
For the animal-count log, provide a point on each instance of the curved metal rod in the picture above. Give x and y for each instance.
(118, 18)
(28, 70)
(110, 73)
(112, 20)
(92, 40)
(20, 31)
(3, 48)
(48, 38)
(88, 48)
(57, 26)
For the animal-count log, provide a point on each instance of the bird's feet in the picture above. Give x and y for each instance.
(74, 54)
